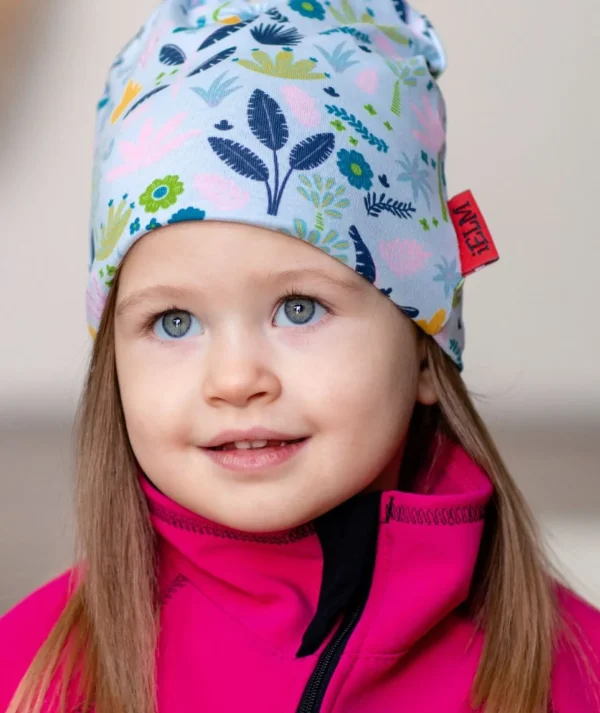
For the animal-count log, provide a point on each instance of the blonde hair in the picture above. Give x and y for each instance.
(106, 637)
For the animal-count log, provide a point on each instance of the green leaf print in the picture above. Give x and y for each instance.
(397, 99)
(325, 196)
(329, 242)
(117, 221)
(406, 72)
(392, 32)
(345, 15)
(283, 66)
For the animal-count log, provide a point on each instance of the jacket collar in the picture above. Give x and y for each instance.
(410, 555)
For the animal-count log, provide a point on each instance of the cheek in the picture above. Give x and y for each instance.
(370, 384)
(156, 401)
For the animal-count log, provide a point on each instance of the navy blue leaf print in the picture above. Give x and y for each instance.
(215, 59)
(276, 15)
(267, 121)
(410, 312)
(171, 55)
(143, 99)
(239, 158)
(400, 209)
(222, 33)
(365, 265)
(224, 125)
(273, 34)
(312, 152)
(400, 6)
(331, 91)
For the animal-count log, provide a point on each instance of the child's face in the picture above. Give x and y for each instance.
(348, 379)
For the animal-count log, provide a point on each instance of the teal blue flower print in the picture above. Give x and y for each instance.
(353, 165)
(153, 224)
(448, 276)
(309, 8)
(134, 227)
(418, 178)
(187, 214)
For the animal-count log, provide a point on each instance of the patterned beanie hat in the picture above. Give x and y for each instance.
(321, 119)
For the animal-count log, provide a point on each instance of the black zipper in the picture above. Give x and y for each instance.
(348, 535)
(315, 690)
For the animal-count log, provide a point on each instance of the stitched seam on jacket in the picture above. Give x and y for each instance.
(190, 525)
(435, 517)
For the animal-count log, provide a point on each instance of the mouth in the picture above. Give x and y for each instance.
(255, 445)
(256, 457)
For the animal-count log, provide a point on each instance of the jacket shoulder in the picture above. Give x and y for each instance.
(25, 627)
(576, 675)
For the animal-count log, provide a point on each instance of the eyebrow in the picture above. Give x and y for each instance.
(172, 292)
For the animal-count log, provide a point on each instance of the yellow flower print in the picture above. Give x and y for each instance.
(230, 19)
(131, 91)
(435, 324)
(92, 331)
(114, 228)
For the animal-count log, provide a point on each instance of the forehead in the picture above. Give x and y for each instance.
(209, 253)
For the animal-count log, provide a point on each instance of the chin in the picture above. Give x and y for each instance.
(275, 513)
(261, 522)
(258, 516)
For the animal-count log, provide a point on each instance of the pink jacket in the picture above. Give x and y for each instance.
(248, 622)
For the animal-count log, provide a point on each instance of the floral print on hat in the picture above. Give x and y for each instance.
(320, 119)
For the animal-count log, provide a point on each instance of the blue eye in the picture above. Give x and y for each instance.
(175, 324)
(300, 309)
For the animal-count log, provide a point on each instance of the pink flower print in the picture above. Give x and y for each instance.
(302, 105)
(180, 78)
(222, 192)
(151, 145)
(386, 46)
(183, 70)
(95, 299)
(403, 257)
(431, 134)
(152, 44)
(367, 81)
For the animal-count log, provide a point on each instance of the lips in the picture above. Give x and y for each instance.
(269, 444)
(253, 434)
(252, 461)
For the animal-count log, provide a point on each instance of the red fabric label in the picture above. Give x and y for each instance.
(476, 245)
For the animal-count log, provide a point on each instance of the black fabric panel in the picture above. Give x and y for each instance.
(348, 536)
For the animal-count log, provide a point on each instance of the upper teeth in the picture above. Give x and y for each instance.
(250, 444)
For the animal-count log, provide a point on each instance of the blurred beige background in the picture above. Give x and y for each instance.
(523, 110)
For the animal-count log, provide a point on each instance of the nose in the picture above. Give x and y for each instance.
(240, 370)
